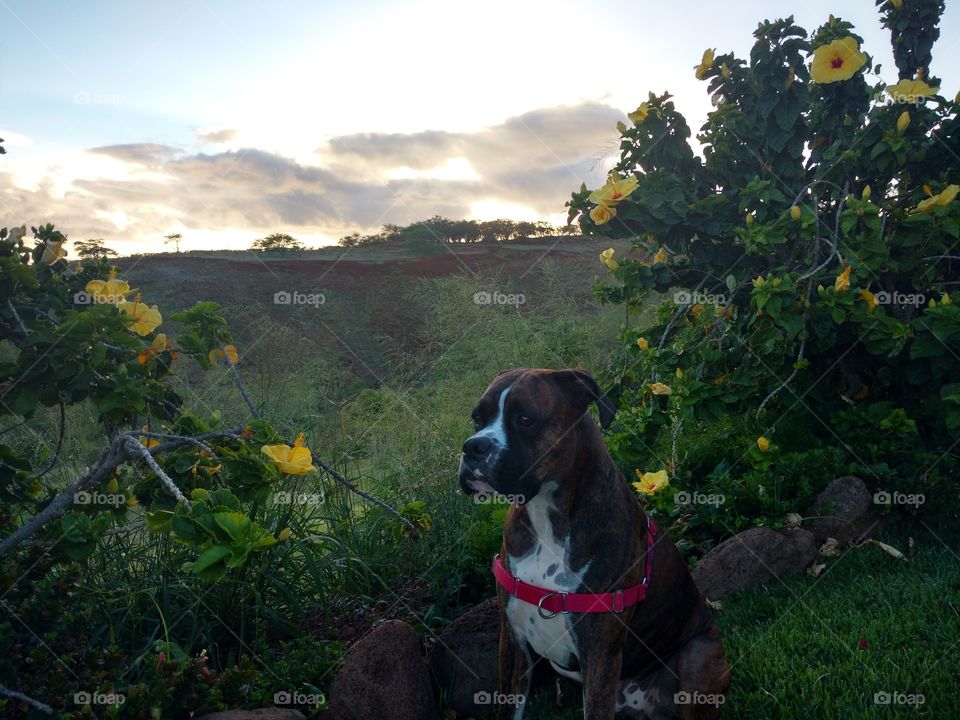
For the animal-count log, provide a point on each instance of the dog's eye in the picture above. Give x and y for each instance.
(524, 420)
(476, 421)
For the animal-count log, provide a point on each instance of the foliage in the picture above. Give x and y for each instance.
(443, 230)
(93, 249)
(277, 241)
(805, 261)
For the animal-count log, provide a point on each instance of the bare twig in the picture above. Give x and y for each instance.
(137, 448)
(375, 500)
(236, 377)
(42, 707)
(16, 316)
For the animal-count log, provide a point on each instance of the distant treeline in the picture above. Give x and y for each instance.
(443, 230)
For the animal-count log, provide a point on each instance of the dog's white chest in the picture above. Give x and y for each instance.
(547, 565)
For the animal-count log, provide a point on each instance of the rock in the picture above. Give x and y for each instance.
(844, 510)
(465, 659)
(384, 677)
(261, 714)
(752, 557)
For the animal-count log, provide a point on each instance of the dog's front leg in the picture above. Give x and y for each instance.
(601, 678)
(516, 669)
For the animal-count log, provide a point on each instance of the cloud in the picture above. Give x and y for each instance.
(216, 137)
(533, 160)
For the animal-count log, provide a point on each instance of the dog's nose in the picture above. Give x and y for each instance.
(477, 446)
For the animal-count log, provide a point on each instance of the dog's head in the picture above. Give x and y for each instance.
(532, 426)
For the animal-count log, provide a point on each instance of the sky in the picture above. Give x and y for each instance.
(228, 120)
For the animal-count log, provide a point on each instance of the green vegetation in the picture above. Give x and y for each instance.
(443, 230)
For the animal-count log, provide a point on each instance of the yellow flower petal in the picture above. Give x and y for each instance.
(659, 389)
(643, 344)
(842, 282)
(870, 299)
(661, 257)
(838, 61)
(706, 62)
(606, 257)
(763, 444)
(640, 114)
(295, 460)
(909, 91)
(602, 214)
(614, 191)
(944, 198)
(651, 482)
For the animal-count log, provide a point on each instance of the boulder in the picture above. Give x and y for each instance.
(261, 714)
(384, 677)
(844, 510)
(752, 557)
(465, 659)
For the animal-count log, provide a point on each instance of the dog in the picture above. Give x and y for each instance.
(585, 579)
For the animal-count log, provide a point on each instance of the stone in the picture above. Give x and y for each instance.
(753, 557)
(844, 510)
(384, 677)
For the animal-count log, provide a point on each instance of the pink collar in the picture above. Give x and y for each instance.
(553, 602)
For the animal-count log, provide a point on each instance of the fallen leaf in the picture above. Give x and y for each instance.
(830, 548)
(793, 520)
(888, 549)
(816, 569)
(715, 604)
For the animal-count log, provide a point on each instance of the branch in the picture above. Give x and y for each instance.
(375, 500)
(16, 316)
(136, 447)
(236, 377)
(28, 700)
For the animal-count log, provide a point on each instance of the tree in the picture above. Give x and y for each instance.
(93, 249)
(174, 238)
(277, 241)
(807, 260)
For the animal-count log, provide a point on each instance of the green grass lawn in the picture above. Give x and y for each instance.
(806, 648)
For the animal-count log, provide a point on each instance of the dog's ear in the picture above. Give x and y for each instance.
(582, 389)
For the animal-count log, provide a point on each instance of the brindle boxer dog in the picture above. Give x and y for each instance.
(576, 527)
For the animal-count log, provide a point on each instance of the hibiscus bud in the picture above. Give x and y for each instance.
(865, 195)
(284, 534)
(903, 122)
(795, 213)
(621, 128)
(749, 219)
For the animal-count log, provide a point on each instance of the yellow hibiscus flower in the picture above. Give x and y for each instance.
(652, 482)
(838, 61)
(763, 444)
(643, 344)
(944, 198)
(295, 460)
(659, 389)
(53, 252)
(870, 299)
(706, 62)
(842, 282)
(640, 114)
(606, 257)
(621, 128)
(145, 319)
(660, 257)
(908, 91)
(111, 291)
(603, 214)
(159, 344)
(216, 355)
(614, 191)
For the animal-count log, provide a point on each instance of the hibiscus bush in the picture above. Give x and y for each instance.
(804, 261)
